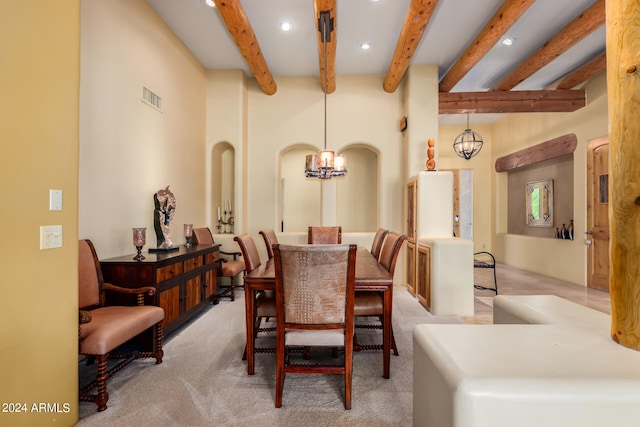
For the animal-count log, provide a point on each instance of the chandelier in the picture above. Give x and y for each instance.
(325, 164)
(468, 143)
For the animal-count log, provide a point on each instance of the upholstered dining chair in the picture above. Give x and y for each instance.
(314, 301)
(270, 239)
(378, 239)
(230, 268)
(103, 329)
(324, 235)
(265, 301)
(371, 303)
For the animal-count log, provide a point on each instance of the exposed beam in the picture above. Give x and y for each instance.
(502, 20)
(581, 74)
(523, 101)
(238, 24)
(330, 6)
(551, 149)
(588, 21)
(415, 23)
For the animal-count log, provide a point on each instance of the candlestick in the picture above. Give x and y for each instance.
(188, 231)
(139, 240)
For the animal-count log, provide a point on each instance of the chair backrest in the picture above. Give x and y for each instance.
(270, 239)
(89, 275)
(249, 252)
(376, 246)
(203, 236)
(325, 235)
(315, 284)
(390, 250)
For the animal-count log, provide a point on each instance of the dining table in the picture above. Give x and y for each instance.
(370, 276)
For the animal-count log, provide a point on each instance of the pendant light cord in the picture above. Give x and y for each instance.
(324, 45)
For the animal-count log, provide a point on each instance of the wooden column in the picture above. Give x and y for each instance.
(623, 83)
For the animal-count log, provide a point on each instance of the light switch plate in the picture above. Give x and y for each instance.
(50, 236)
(55, 200)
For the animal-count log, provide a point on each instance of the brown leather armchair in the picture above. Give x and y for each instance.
(371, 303)
(103, 329)
(315, 287)
(230, 268)
(325, 235)
(378, 239)
(265, 301)
(270, 239)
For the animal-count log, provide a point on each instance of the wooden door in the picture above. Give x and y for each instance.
(598, 213)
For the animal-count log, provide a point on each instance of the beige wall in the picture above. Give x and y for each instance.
(39, 133)
(562, 259)
(129, 150)
(359, 112)
(483, 176)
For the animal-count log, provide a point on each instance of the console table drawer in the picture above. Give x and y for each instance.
(168, 272)
(212, 257)
(192, 264)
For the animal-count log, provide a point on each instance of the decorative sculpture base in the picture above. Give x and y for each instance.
(172, 248)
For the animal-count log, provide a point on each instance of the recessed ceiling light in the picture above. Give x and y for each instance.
(508, 41)
(365, 45)
(375, 1)
(286, 26)
(209, 3)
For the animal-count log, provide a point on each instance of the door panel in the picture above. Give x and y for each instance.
(598, 214)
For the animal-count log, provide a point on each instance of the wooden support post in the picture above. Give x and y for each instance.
(623, 83)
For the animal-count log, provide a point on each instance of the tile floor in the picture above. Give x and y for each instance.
(513, 281)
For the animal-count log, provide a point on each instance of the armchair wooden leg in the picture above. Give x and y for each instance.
(101, 382)
(158, 352)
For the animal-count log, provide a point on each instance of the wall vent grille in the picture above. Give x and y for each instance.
(151, 99)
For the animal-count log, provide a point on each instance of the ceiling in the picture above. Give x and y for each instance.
(452, 27)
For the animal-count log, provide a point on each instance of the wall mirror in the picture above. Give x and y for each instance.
(540, 203)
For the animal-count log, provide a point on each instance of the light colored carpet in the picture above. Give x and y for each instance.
(203, 380)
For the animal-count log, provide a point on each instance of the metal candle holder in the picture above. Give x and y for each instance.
(225, 223)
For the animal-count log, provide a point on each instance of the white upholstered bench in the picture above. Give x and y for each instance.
(544, 309)
(552, 375)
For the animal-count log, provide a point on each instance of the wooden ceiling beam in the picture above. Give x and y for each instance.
(239, 27)
(533, 101)
(415, 23)
(327, 6)
(498, 25)
(587, 22)
(581, 74)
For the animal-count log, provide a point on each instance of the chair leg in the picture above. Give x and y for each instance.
(393, 339)
(158, 352)
(279, 374)
(101, 381)
(348, 376)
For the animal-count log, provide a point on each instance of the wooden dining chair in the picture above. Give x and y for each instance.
(265, 307)
(324, 235)
(314, 301)
(371, 303)
(270, 239)
(378, 239)
(230, 268)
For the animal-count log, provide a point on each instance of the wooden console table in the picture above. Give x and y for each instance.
(185, 279)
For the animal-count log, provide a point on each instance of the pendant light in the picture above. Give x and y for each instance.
(468, 143)
(325, 164)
